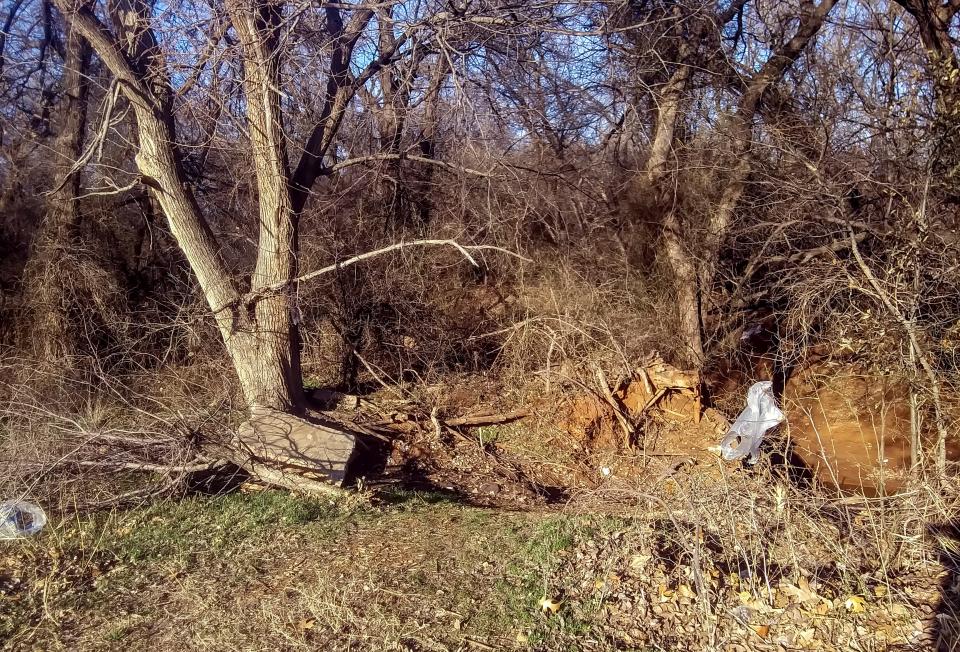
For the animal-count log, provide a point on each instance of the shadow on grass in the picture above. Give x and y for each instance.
(414, 480)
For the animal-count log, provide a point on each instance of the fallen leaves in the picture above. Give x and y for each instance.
(802, 592)
(855, 604)
(306, 624)
(761, 630)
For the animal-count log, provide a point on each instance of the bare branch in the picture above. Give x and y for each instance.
(408, 157)
(465, 250)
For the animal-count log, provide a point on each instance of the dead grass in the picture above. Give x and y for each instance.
(746, 562)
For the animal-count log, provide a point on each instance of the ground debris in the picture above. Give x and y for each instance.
(661, 402)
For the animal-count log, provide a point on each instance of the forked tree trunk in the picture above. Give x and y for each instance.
(694, 274)
(678, 244)
(260, 327)
(261, 339)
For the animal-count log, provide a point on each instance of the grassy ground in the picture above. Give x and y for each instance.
(273, 571)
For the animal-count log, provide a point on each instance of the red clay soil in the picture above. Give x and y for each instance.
(851, 427)
(669, 426)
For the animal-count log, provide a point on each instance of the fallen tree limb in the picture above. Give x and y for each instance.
(487, 419)
(474, 421)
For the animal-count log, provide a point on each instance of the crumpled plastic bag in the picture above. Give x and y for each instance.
(746, 433)
(19, 519)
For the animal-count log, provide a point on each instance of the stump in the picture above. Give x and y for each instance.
(281, 444)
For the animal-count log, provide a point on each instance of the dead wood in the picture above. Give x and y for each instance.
(487, 419)
(402, 420)
(617, 407)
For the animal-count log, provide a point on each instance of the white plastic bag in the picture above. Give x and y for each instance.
(746, 433)
(19, 519)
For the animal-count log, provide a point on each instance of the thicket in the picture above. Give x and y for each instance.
(626, 177)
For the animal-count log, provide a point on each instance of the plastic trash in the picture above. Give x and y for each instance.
(746, 433)
(19, 519)
(753, 330)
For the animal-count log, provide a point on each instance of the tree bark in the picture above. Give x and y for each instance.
(265, 347)
(427, 142)
(391, 117)
(679, 256)
(51, 331)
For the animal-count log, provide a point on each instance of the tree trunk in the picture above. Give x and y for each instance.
(679, 256)
(267, 355)
(934, 20)
(340, 90)
(686, 277)
(427, 142)
(392, 117)
(740, 132)
(259, 328)
(51, 331)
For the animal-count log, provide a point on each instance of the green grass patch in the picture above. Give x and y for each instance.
(84, 562)
(198, 525)
(534, 573)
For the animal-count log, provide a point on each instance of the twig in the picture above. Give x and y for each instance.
(159, 468)
(136, 494)
(131, 441)
(366, 365)
(660, 393)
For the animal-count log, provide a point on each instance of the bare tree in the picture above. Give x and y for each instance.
(257, 319)
(692, 33)
(937, 34)
(51, 329)
(693, 256)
